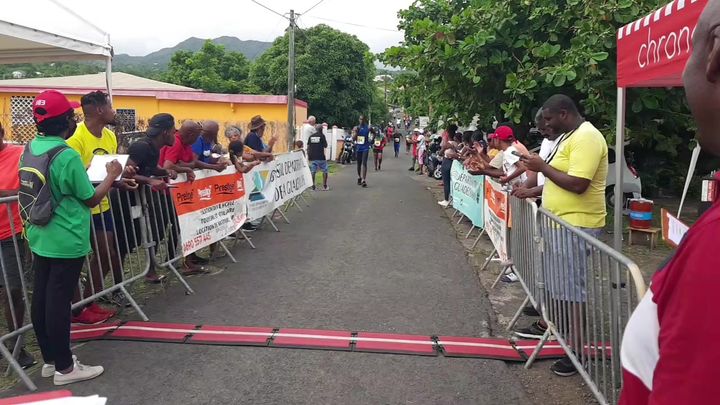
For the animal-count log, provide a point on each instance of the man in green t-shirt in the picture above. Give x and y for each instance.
(60, 247)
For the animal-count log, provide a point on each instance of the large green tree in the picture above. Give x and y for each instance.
(212, 69)
(503, 59)
(334, 73)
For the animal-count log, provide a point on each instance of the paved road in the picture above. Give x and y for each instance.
(358, 259)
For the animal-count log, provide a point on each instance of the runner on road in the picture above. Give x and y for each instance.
(379, 142)
(361, 136)
(391, 134)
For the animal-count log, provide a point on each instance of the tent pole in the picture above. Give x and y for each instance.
(108, 71)
(690, 173)
(619, 154)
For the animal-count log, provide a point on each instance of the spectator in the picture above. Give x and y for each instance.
(92, 137)
(421, 148)
(236, 149)
(12, 246)
(233, 133)
(664, 353)
(180, 158)
(317, 143)
(449, 149)
(254, 138)
(145, 158)
(507, 162)
(299, 146)
(414, 143)
(59, 248)
(308, 129)
(206, 142)
(574, 190)
(533, 186)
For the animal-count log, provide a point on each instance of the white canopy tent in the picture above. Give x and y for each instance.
(46, 31)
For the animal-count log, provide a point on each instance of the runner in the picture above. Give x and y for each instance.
(361, 136)
(396, 140)
(379, 142)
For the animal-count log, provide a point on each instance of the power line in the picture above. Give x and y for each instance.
(268, 8)
(308, 10)
(353, 24)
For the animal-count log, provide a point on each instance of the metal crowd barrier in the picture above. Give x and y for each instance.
(586, 291)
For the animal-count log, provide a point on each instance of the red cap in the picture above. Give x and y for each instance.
(504, 133)
(51, 104)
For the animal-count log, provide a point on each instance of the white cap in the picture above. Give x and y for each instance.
(416, 130)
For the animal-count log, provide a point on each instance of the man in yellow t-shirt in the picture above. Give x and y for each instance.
(91, 138)
(575, 176)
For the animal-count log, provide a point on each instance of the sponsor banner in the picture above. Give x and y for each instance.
(467, 193)
(272, 184)
(210, 208)
(496, 216)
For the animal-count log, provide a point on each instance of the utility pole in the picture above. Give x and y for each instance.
(291, 81)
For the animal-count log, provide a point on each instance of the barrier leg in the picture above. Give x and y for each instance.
(272, 223)
(538, 348)
(472, 228)
(16, 366)
(179, 276)
(222, 245)
(282, 214)
(515, 318)
(302, 197)
(295, 203)
(460, 219)
(134, 304)
(244, 235)
(502, 273)
(454, 213)
(477, 240)
(489, 259)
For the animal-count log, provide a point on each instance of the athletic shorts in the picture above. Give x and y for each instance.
(12, 262)
(103, 221)
(318, 165)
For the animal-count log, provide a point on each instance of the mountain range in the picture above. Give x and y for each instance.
(159, 59)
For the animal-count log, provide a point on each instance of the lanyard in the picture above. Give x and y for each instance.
(562, 139)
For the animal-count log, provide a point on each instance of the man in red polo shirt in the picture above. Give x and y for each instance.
(668, 352)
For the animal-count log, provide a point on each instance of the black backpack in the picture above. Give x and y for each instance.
(37, 204)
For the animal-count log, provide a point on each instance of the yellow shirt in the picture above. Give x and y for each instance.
(88, 145)
(584, 154)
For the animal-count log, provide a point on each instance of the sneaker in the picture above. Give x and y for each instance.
(359, 181)
(444, 203)
(534, 331)
(326, 188)
(564, 367)
(530, 311)
(412, 169)
(79, 373)
(249, 227)
(48, 370)
(118, 298)
(25, 359)
(509, 278)
(100, 310)
(87, 317)
(313, 187)
(364, 184)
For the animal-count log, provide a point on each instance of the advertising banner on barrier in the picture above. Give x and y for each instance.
(210, 208)
(496, 216)
(272, 184)
(467, 193)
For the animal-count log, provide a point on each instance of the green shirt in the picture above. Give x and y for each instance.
(67, 235)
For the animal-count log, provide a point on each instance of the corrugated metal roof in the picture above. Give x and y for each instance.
(120, 81)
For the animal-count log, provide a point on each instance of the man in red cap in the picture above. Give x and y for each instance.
(60, 245)
(506, 164)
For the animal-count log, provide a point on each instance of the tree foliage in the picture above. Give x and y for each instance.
(334, 73)
(212, 69)
(504, 58)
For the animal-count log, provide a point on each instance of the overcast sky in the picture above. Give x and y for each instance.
(138, 27)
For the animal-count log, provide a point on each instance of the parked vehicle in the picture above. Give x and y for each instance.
(632, 184)
(348, 151)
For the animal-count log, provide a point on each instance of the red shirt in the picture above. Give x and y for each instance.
(176, 153)
(10, 180)
(669, 353)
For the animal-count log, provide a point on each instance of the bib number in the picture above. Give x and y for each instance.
(377, 144)
(360, 140)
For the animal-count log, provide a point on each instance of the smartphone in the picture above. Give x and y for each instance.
(516, 153)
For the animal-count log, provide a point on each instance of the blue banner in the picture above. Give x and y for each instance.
(467, 193)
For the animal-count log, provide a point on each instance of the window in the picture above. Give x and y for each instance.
(126, 120)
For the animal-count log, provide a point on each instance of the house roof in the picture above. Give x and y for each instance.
(125, 84)
(120, 81)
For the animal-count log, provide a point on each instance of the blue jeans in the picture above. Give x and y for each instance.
(316, 165)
